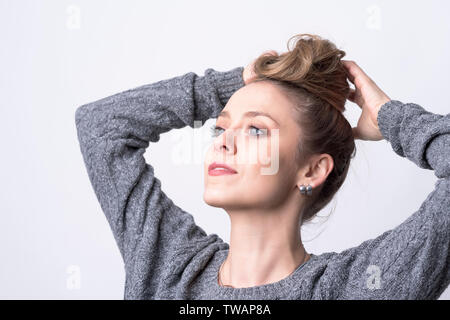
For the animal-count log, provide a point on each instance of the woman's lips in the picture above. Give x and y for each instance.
(220, 172)
(219, 169)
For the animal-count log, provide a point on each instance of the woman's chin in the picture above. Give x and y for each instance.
(215, 199)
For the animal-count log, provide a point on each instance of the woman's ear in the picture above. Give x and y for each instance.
(316, 171)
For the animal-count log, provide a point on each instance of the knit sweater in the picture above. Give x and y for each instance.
(167, 256)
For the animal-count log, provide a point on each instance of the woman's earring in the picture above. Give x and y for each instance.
(306, 190)
(302, 189)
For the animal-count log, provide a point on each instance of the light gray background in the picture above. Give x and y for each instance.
(57, 55)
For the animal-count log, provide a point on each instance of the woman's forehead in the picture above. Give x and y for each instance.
(261, 97)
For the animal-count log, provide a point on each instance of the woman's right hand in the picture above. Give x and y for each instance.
(369, 97)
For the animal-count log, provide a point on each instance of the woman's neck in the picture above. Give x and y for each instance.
(264, 248)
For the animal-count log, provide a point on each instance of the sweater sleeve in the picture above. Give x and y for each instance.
(411, 261)
(114, 133)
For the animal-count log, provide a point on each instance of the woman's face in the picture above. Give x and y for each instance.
(260, 148)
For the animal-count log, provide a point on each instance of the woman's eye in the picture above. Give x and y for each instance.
(215, 131)
(254, 131)
(257, 132)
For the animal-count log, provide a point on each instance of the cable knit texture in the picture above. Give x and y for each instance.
(167, 256)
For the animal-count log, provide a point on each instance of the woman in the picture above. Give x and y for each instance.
(292, 104)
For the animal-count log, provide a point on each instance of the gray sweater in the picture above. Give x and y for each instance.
(167, 256)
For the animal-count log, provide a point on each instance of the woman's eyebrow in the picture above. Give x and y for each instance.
(249, 114)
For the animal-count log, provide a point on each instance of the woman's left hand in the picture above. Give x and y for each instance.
(369, 97)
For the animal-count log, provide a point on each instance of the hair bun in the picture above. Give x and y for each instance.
(313, 64)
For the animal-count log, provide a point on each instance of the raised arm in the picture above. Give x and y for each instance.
(419, 135)
(410, 261)
(114, 133)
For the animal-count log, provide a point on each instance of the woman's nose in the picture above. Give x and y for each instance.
(226, 142)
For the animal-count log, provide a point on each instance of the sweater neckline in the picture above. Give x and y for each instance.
(277, 288)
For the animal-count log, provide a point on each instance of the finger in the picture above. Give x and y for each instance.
(355, 72)
(349, 79)
(351, 95)
(347, 67)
